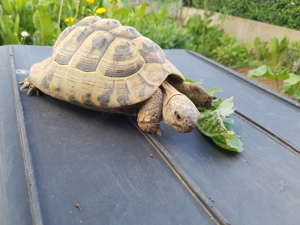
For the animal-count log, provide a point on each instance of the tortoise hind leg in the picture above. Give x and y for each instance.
(26, 84)
(150, 113)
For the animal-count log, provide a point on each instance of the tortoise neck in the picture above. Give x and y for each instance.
(168, 91)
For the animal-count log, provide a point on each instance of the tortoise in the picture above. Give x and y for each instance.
(101, 65)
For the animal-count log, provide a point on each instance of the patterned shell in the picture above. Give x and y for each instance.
(100, 64)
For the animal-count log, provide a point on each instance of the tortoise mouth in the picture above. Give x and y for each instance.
(181, 114)
(188, 124)
(183, 123)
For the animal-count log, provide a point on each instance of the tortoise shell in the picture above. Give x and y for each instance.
(100, 64)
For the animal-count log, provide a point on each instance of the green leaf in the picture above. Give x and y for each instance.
(45, 29)
(211, 124)
(261, 49)
(142, 10)
(215, 124)
(213, 90)
(44, 2)
(234, 144)
(20, 5)
(122, 15)
(191, 81)
(226, 108)
(292, 86)
(7, 8)
(11, 38)
(214, 105)
(292, 80)
(265, 71)
(228, 123)
(274, 47)
(17, 24)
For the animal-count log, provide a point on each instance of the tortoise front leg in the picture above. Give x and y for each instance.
(150, 114)
(197, 94)
(31, 88)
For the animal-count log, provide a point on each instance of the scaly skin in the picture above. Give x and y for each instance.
(31, 88)
(149, 115)
(173, 107)
(194, 92)
(179, 111)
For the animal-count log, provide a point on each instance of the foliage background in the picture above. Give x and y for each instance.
(285, 13)
(39, 22)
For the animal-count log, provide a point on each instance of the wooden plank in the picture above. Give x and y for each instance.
(261, 185)
(13, 187)
(100, 161)
(269, 110)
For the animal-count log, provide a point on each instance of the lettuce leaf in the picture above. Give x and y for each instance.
(214, 123)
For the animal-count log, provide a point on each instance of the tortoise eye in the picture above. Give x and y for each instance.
(177, 115)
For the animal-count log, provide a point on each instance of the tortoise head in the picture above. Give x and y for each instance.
(179, 111)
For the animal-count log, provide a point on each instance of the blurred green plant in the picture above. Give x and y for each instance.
(273, 53)
(203, 36)
(266, 71)
(292, 86)
(45, 33)
(39, 22)
(231, 53)
(211, 41)
(43, 20)
(294, 57)
(15, 17)
(291, 81)
(280, 63)
(156, 24)
(278, 12)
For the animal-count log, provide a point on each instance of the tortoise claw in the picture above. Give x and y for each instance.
(158, 132)
(38, 92)
(21, 82)
(23, 87)
(31, 88)
(25, 84)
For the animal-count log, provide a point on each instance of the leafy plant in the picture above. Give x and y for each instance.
(291, 81)
(266, 71)
(231, 53)
(278, 12)
(272, 53)
(261, 49)
(293, 57)
(15, 17)
(275, 55)
(155, 24)
(43, 20)
(277, 52)
(292, 86)
(46, 32)
(203, 37)
(214, 123)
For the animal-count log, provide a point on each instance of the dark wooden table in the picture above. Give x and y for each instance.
(54, 155)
